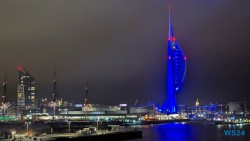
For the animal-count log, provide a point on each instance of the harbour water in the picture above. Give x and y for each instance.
(194, 131)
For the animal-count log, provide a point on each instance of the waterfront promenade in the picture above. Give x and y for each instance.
(98, 135)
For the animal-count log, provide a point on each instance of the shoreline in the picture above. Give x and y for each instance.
(110, 136)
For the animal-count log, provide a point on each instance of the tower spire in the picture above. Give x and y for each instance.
(170, 30)
(176, 70)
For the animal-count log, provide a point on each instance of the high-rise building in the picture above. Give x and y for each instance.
(26, 95)
(176, 70)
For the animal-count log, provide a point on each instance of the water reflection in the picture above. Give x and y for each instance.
(190, 132)
(175, 132)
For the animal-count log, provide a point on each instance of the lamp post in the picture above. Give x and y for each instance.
(69, 126)
(27, 126)
(12, 133)
(67, 111)
(97, 123)
(221, 108)
(54, 110)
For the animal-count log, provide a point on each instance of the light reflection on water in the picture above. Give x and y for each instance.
(193, 131)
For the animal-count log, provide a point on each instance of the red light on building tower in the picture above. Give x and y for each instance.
(20, 68)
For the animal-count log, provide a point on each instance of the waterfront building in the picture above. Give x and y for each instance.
(94, 111)
(208, 111)
(26, 95)
(176, 71)
(237, 107)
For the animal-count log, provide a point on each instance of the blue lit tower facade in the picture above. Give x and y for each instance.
(176, 70)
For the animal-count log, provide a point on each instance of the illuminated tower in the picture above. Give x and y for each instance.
(26, 95)
(176, 70)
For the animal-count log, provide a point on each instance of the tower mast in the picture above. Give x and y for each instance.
(86, 95)
(4, 95)
(54, 86)
(4, 88)
(54, 95)
(170, 28)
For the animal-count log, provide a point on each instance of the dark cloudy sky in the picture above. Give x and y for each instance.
(119, 46)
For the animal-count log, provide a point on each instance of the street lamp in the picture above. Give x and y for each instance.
(97, 123)
(220, 108)
(69, 126)
(27, 127)
(67, 111)
(13, 133)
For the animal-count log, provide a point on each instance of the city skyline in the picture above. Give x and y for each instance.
(120, 49)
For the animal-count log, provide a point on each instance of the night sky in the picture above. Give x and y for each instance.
(120, 47)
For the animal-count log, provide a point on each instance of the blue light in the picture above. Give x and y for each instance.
(176, 132)
(176, 71)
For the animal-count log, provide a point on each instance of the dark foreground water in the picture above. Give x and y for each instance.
(194, 131)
